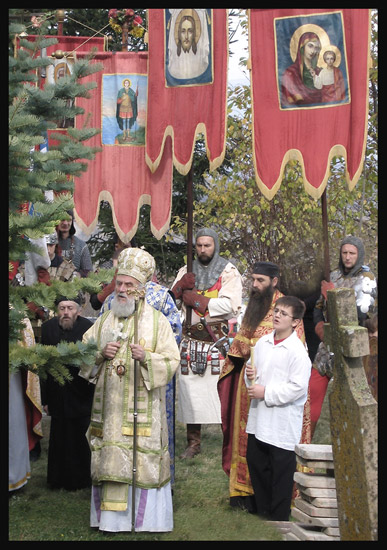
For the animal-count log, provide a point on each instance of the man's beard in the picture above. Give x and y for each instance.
(257, 307)
(123, 309)
(66, 323)
(205, 260)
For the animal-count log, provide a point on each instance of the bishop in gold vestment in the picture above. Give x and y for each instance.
(111, 428)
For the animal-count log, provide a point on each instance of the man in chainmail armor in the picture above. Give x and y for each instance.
(214, 292)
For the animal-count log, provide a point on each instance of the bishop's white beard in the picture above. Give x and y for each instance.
(123, 309)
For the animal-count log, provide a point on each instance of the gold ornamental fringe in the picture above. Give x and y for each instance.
(183, 169)
(125, 237)
(315, 193)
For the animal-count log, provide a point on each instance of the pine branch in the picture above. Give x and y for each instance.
(32, 111)
(43, 360)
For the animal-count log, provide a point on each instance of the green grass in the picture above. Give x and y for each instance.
(200, 501)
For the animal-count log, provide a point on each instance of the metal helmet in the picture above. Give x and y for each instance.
(52, 238)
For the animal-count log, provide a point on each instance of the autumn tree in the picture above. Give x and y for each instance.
(288, 229)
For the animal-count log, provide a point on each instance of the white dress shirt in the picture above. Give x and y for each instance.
(284, 369)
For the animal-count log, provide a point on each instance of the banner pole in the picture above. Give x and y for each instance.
(189, 238)
(125, 31)
(60, 15)
(325, 235)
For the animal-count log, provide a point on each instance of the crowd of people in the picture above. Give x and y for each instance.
(112, 426)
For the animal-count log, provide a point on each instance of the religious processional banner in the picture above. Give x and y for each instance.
(309, 86)
(119, 173)
(66, 47)
(187, 91)
(61, 66)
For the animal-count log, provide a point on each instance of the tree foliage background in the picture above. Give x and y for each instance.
(32, 111)
(286, 230)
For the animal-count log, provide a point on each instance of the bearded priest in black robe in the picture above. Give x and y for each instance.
(68, 405)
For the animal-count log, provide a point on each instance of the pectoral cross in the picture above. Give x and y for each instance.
(117, 333)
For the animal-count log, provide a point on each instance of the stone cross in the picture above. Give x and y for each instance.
(353, 421)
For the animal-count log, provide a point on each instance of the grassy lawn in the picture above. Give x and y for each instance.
(201, 502)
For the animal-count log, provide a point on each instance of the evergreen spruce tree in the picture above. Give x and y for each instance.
(32, 111)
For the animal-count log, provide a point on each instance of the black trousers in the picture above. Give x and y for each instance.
(271, 472)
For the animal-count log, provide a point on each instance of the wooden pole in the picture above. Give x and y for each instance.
(189, 237)
(60, 14)
(324, 209)
(125, 32)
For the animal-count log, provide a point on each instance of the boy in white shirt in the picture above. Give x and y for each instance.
(277, 378)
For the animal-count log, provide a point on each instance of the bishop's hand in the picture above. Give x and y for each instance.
(110, 350)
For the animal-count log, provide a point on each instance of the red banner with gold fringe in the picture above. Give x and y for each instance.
(119, 174)
(188, 59)
(309, 82)
(62, 55)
